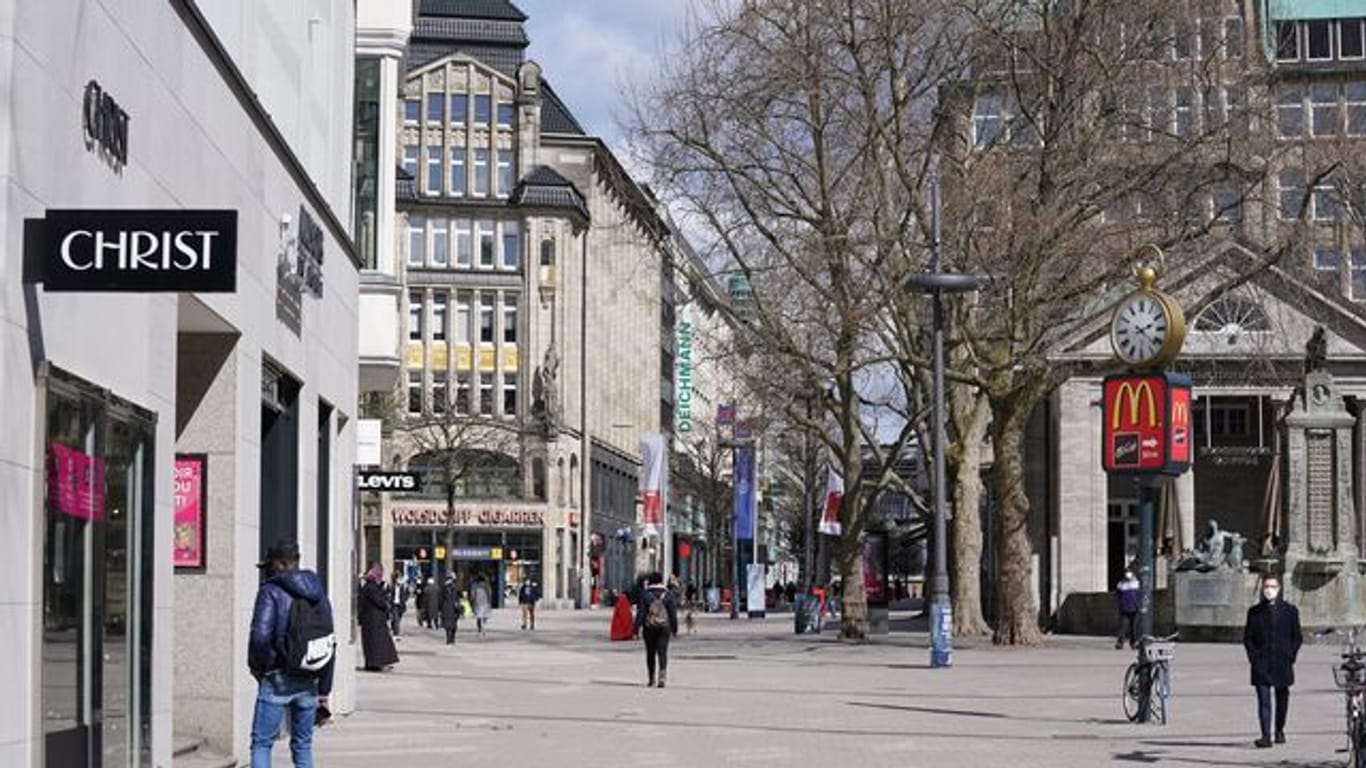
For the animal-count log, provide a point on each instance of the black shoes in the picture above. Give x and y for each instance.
(1263, 743)
(1280, 737)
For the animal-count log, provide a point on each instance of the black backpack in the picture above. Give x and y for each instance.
(309, 642)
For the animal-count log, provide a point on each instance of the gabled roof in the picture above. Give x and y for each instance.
(472, 9)
(469, 30)
(546, 188)
(555, 114)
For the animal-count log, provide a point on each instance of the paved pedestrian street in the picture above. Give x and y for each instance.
(753, 693)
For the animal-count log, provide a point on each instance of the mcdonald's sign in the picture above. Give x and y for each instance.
(1146, 424)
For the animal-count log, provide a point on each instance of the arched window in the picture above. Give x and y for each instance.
(548, 252)
(1232, 315)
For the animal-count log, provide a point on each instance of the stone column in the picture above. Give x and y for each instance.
(1185, 502)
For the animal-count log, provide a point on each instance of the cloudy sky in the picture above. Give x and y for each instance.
(591, 49)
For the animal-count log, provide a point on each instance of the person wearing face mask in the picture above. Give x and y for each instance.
(1272, 639)
(1126, 602)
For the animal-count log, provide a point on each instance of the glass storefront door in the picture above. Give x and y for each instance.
(96, 578)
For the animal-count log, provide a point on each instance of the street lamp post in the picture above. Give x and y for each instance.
(937, 282)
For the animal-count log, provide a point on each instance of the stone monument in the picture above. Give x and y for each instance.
(1320, 551)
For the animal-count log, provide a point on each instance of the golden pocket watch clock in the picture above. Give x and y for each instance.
(1148, 326)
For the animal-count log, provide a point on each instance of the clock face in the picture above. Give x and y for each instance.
(1140, 329)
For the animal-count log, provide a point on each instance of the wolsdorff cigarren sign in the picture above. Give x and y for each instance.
(433, 516)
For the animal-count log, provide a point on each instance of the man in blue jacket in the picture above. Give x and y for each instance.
(301, 693)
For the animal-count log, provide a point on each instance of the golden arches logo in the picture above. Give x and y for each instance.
(1181, 413)
(1135, 392)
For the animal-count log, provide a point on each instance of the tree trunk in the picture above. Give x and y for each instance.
(450, 529)
(854, 609)
(1017, 620)
(964, 466)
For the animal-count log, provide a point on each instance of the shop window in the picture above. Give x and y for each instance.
(512, 245)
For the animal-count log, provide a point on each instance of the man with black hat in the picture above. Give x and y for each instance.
(291, 655)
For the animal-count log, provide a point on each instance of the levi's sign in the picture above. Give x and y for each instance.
(139, 251)
(388, 481)
(1146, 424)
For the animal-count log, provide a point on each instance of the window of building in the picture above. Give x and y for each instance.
(509, 394)
(486, 394)
(440, 392)
(460, 107)
(1232, 314)
(1233, 38)
(486, 243)
(1209, 32)
(1236, 100)
(486, 318)
(507, 112)
(1350, 39)
(1290, 193)
(433, 170)
(1326, 206)
(1287, 41)
(441, 256)
(462, 317)
(458, 171)
(512, 245)
(463, 247)
(462, 393)
(481, 172)
(1357, 260)
(436, 107)
(1290, 113)
(1327, 258)
(1323, 101)
(504, 172)
(1228, 420)
(415, 392)
(1159, 113)
(410, 160)
(1213, 102)
(417, 240)
(1318, 40)
(415, 315)
(548, 252)
(1183, 112)
(1355, 96)
(1181, 41)
(509, 318)
(440, 300)
(412, 111)
(483, 106)
(987, 118)
(1228, 204)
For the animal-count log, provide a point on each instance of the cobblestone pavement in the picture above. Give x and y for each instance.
(752, 693)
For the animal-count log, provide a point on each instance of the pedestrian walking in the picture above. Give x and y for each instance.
(526, 598)
(450, 608)
(657, 621)
(482, 595)
(1272, 640)
(373, 615)
(398, 601)
(291, 653)
(431, 603)
(1126, 605)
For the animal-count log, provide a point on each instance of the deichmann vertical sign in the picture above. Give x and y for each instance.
(683, 378)
(1146, 424)
(136, 251)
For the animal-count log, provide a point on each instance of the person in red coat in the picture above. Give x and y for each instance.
(623, 622)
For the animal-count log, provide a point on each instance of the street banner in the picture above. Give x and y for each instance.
(754, 602)
(188, 504)
(744, 492)
(834, 494)
(652, 483)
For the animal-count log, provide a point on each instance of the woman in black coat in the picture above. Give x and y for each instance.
(451, 609)
(1272, 639)
(373, 614)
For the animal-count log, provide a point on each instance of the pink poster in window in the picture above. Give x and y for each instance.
(188, 503)
(75, 482)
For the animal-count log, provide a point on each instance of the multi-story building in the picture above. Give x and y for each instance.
(178, 365)
(1285, 82)
(533, 274)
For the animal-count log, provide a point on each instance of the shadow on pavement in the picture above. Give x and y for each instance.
(1143, 756)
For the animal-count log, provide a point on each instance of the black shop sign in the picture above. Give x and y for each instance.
(133, 251)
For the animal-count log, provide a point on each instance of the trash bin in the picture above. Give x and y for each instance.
(806, 614)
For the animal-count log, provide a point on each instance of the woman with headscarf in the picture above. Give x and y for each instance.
(373, 614)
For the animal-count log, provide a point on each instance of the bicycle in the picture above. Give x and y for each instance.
(1350, 676)
(1147, 682)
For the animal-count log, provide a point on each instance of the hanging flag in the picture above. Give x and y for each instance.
(834, 494)
(725, 414)
(744, 492)
(652, 483)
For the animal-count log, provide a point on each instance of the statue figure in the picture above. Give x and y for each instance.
(1220, 550)
(545, 392)
(1316, 351)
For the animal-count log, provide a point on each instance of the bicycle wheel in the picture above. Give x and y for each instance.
(1158, 693)
(1133, 692)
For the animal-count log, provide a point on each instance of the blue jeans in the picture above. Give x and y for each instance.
(276, 695)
